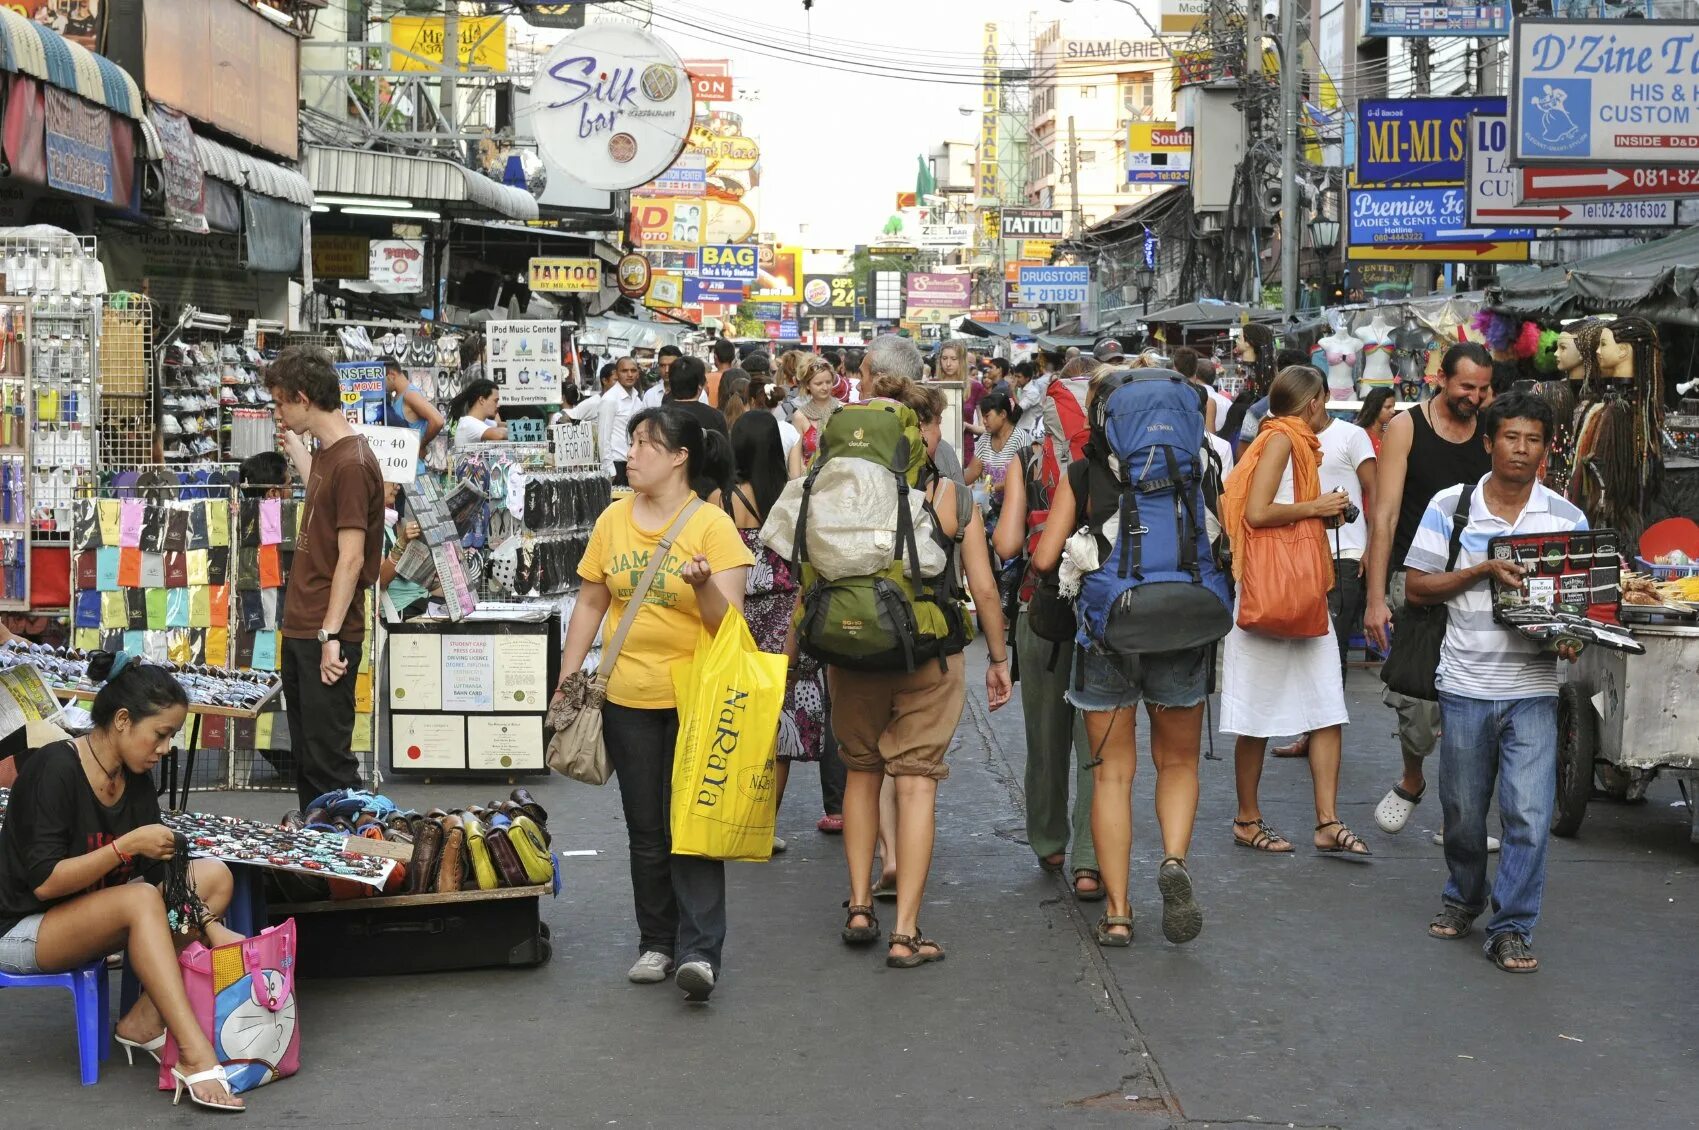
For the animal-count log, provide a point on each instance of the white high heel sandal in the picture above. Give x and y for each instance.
(131, 1047)
(214, 1074)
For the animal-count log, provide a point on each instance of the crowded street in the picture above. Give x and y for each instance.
(768, 563)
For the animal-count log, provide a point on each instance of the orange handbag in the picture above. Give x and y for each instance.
(1285, 574)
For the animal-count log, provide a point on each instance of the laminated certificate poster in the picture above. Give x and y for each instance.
(505, 742)
(415, 671)
(428, 741)
(468, 672)
(522, 672)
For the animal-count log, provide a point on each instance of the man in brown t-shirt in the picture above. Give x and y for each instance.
(337, 551)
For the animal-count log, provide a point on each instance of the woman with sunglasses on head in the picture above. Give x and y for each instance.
(83, 824)
(818, 382)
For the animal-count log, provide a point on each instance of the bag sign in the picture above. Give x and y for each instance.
(397, 451)
(729, 262)
(1604, 90)
(1494, 189)
(566, 276)
(1050, 286)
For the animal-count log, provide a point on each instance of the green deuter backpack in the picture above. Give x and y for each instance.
(895, 619)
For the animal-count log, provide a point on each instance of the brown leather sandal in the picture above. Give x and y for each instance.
(917, 944)
(860, 935)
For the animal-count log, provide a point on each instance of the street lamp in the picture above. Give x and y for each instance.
(1145, 279)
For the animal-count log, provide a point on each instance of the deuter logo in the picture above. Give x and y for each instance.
(858, 438)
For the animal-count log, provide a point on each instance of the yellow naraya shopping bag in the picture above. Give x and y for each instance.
(729, 698)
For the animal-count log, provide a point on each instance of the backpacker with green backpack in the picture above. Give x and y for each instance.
(906, 610)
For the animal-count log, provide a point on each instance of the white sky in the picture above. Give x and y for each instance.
(837, 146)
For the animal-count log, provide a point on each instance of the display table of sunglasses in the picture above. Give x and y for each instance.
(213, 691)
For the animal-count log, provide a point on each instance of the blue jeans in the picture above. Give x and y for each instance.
(1512, 743)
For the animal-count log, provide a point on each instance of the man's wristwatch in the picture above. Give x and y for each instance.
(324, 636)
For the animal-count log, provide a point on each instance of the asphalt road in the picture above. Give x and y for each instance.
(1312, 999)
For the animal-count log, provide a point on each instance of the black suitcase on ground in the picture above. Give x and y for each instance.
(417, 934)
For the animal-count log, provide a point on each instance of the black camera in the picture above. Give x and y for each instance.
(1351, 514)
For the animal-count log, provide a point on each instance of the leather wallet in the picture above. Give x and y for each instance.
(527, 840)
(483, 868)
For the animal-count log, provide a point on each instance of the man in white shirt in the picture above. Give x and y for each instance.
(1497, 689)
(1347, 464)
(619, 403)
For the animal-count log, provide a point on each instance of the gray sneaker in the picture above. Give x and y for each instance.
(651, 969)
(696, 978)
(1493, 845)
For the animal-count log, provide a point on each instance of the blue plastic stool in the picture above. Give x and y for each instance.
(90, 992)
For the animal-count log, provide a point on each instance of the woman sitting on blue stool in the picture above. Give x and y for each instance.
(82, 827)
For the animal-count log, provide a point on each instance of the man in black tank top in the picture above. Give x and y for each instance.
(1428, 449)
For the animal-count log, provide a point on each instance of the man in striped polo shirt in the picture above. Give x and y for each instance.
(1497, 690)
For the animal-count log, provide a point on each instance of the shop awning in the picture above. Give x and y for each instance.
(975, 328)
(1659, 280)
(29, 48)
(1206, 312)
(1059, 342)
(264, 177)
(360, 172)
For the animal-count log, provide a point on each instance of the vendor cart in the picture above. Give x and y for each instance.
(1627, 719)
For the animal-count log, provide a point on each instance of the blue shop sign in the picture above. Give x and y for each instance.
(1417, 140)
(1401, 217)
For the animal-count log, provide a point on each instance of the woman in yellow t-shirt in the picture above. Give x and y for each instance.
(680, 900)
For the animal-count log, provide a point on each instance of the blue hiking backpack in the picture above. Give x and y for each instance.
(1160, 587)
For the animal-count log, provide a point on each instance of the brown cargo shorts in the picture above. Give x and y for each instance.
(899, 724)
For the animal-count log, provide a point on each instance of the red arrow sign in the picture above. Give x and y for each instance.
(1579, 185)
(1551, 215)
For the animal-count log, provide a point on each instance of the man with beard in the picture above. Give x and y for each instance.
(1425, 451)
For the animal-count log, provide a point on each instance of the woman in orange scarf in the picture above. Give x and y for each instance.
(1281, 663)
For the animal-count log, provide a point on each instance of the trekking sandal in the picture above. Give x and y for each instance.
(919, 945)
(860, 935)
(1106, 938)
(1453, 918)
(1512, 947)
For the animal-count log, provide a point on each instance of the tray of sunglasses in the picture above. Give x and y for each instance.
(1571, 588)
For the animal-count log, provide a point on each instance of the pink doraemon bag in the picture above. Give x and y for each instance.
(243, 995)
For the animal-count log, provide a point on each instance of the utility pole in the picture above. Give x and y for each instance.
(451, 60)
(1289, 110)
(1074, 177)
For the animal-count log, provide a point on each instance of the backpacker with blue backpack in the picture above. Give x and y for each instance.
(1159, 587)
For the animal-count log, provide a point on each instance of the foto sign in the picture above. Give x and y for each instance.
(1031, 223)
(1414, 18)
(1416, 140)
(666, 221)
(1405, 216)
(565, 276)
(397, 451)
(1493, 190)
(1050, 286)
(1604, 90)
(729, 262)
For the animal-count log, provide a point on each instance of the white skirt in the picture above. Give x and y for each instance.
(1273, 687)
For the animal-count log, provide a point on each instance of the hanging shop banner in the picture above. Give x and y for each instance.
(1031, 223)
(340, 256)
(565, 276)
(399, 264)
(611, 107)
(185, 181)
(524, 361)
(688, 176)
(1416, 140)
(363, 391)
(1040, 249)
(483, 42)
(941, 237)
(1181, 17)
(829, 296)
(1493, 189)
(736, 262)
(1395, 216)
(1515, 251)
(633, 274)
(1050, 286)
(1157, 153)
(1413, 18)
(990, 108)
(711, 79)
(1610, 90)
(779, 276)
(698, 291)
(934, 290)
(396, 449)
(574, 444)
(666, 291)
(83, 149)
(666, 221)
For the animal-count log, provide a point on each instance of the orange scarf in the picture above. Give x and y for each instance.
(1306, 480)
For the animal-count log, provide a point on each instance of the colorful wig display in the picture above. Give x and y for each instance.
(1545, 354)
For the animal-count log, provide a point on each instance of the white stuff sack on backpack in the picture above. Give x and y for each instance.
(852, 522)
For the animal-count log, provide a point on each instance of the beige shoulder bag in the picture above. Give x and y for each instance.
(575, 715)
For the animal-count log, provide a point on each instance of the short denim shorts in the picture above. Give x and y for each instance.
(17, 948)
(1105, 681)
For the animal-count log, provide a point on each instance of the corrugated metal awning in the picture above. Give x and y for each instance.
(264, 177)
(360, 172)
(29, 48)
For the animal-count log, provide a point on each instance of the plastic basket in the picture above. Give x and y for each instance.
(1667, 572)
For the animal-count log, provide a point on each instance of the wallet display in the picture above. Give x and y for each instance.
(1571, 589)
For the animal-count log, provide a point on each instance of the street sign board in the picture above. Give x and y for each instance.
(1158, 153)
(1416, 140)
(1402, 216)
(1493, 184)
(571, 276)
(1603, 91)
(1509, 252)
(729, 262)
(1410, 18)
(1048, 286)
(1031, 223)
(1603, 182)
